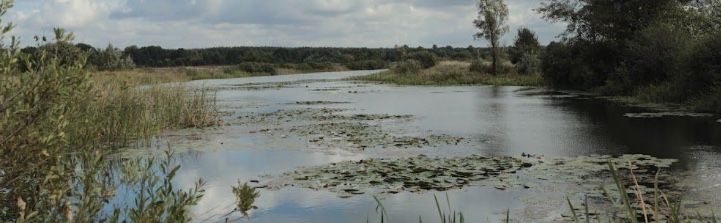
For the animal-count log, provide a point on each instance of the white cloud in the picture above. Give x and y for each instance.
(204, 23)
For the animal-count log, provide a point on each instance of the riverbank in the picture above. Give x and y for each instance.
(182, 74)
(452, 73)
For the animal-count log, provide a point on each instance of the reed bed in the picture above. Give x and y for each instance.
(634, 209)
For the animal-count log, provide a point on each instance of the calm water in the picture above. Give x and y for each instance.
(497, 120)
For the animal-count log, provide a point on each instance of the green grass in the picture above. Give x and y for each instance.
(452, 73)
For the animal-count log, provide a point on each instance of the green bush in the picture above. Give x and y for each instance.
(700, 80)
(566, 65)
(425, 58)
(528, 63)
(314, 65)
(407, 67)
(110, 58)
(256, 67)
(366, 65)
(654, 54)
(526, 44)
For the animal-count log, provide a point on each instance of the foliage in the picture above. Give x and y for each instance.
(407, 67)
(564, 66)
(529, 63)
(254, 67)
(245, 197)
(453, 73)
(598, 20)
(479, 66)
(110, 58)
(526, 43)
(659, 208)
(155, 56)
(366, 65)
(657, 52)
(56, 126)
(425, 58)
(156, 200)
(525, 52)
(491, 21)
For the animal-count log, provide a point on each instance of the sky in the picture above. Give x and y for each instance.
(289, 23)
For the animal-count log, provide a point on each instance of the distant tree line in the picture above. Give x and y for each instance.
(155, 56)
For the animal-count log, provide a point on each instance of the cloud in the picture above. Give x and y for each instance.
(205, 23)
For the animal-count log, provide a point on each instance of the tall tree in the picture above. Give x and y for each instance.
(526, 43)
(491, 21)
(607, 20)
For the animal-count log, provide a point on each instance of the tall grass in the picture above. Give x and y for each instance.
(445, 215)
(119, 114)
(639, 208)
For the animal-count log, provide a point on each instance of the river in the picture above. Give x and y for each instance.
(490, 120)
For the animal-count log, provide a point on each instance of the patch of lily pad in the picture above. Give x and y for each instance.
(362, 135)
(328, 127)
(413, 174)
(424, 173)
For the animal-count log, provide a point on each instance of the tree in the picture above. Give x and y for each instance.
(526, 43)
(524, 52)
(111, 58)
(491, 21)
(604, 20)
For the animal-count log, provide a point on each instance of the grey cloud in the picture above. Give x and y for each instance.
(371, 23)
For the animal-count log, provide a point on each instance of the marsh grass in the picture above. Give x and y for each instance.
(452, 73)
(146, 76)
(448, 215)
(115, 114)
(661, 208)
(245, 197)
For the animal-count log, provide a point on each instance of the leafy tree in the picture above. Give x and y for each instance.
(607, 20)
(526, 43)
(491, 21)
(111, 58)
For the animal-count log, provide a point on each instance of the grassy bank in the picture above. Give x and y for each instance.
(452, 73)
(181, 74)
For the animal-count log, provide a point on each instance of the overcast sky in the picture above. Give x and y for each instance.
(208, 23)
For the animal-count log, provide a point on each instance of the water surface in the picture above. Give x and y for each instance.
(495, 120)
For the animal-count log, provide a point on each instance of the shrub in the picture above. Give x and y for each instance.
(110, 58)
(526, 44)
(366, 65)
(700, 80)
(256, 67)
(485, 67)
(425, 58)
(479, 66)
(528, 64)
(314, 65)
(565, 65)
(654, 54)
(407, 67)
